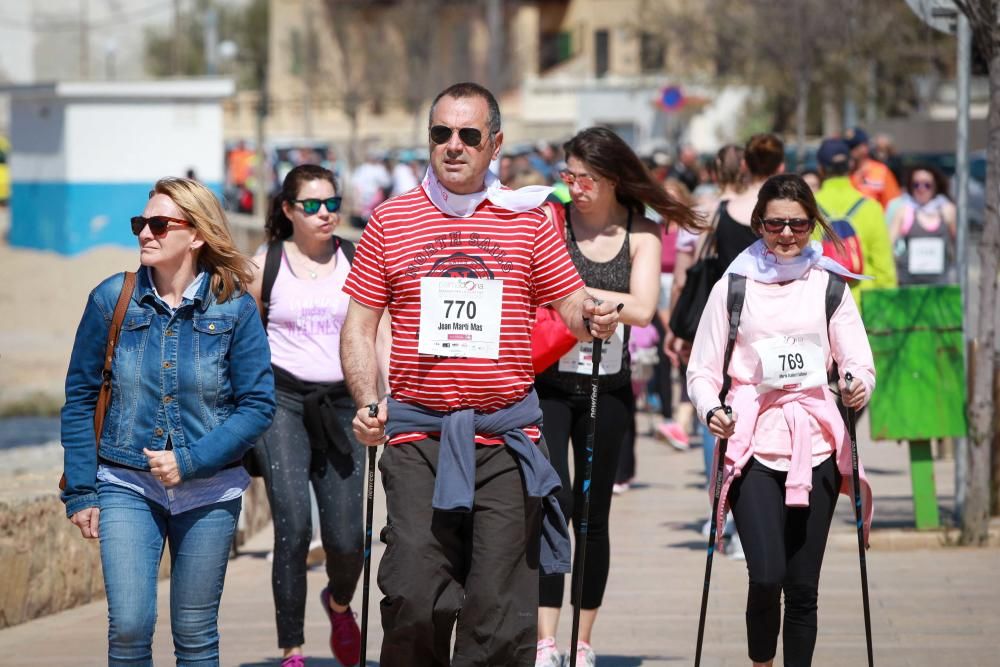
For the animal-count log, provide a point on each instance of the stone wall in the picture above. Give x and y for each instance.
(46, 566)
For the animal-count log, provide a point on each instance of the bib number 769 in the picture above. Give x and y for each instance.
(791, 362)
(468, 306)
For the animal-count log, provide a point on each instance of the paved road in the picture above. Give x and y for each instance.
(931, 606)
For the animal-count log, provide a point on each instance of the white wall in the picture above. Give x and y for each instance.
(129, 142)
(620, 108)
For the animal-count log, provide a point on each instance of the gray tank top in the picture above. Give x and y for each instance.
(613, 276)
(926, 257)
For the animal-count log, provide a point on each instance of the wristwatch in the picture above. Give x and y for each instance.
(708, 415)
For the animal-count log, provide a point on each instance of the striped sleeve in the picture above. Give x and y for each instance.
(553, 275)
(367, 282)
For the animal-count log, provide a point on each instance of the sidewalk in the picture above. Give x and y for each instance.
(930, 606)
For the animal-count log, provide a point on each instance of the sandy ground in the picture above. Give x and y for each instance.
(42, 295)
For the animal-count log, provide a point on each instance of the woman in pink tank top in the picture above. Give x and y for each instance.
(298, 286)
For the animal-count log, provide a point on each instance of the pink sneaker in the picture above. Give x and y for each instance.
(294, 661)
(675, 436)
(345, 635)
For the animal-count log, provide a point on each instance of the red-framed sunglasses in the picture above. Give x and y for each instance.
(159, 225)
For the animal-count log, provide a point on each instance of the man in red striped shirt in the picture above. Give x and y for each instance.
(461, 263)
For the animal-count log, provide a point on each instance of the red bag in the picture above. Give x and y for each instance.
(550, 339)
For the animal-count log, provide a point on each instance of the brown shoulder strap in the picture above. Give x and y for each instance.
(116, 320)
(104, 393)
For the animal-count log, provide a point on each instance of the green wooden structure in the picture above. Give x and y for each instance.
(916, 337)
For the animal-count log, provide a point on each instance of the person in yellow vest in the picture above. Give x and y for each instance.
(863, 226)
(869, 176)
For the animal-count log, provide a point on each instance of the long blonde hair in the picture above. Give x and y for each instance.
(229, 268)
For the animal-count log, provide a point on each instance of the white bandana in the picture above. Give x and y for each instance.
(762, 265)
(463, 206)
(931, 207)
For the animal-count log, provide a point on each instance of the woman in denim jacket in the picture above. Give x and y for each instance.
(192, 389)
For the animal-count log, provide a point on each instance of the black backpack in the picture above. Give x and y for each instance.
(272, 262)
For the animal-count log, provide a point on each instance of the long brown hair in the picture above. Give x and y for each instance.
(635, 188)
(229, 268)
(729, 168)
(791, 187)
(278, 227)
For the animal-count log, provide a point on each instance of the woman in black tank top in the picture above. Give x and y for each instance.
(731, 237)
(616, 250)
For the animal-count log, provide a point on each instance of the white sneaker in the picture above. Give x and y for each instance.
(546, 653)
(585, 656)
(735, 550)
(619, 488)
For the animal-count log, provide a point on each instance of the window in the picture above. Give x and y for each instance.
(295, 39)
(601, 53)
(652, 53)
(554, 48)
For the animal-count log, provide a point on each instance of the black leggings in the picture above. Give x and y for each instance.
(784, 549)
(567, 417)
(289, 466)
(663, 374)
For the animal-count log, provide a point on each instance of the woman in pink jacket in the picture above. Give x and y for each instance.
(789, 452)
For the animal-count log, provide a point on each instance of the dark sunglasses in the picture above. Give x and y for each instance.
(923, 185)
(158, 224)
(470, 136)
(311, 206)
(797, 225)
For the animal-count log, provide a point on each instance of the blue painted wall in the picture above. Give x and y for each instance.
(69, 218)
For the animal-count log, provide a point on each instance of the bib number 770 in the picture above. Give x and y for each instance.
(460, 317)
(468, 306)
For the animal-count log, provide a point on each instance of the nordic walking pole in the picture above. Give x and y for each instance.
(852, 419)
(734, 302)
(716, 498)
(369, 520)
(588, 469)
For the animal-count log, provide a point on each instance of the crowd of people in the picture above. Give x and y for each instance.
(422, 339)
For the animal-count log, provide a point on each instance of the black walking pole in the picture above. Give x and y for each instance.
(588, 469)
(716, 497)
(369, 519)
(852, 419)
(735, 296)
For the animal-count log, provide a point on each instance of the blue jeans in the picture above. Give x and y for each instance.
(133, 531)
(707, 450)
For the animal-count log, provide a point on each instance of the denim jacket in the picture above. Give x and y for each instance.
(199, 376)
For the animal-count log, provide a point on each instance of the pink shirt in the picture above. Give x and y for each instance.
(305, 317)
(784, 430)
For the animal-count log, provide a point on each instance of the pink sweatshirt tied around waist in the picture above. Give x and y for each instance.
(797, 407)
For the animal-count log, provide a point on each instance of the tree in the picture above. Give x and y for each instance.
(982, 15)
(247, 27)
(417, 22)
(359, 74)
(795, 52)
